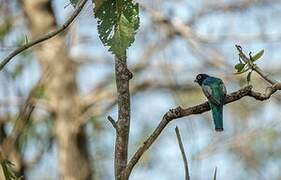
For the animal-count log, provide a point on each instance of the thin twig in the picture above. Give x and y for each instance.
(187, 177)
(215, 173)
(44, 37)
(111, 120)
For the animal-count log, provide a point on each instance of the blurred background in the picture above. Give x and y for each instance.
(72, 77)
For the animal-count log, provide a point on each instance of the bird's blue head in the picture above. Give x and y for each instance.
(200, 78)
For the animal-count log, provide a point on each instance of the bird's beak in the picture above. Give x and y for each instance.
(195, 81)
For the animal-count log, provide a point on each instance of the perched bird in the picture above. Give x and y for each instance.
(215, 91)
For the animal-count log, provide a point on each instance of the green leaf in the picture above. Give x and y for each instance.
(249, 77)
(258, 55)
(74, 2)
(239, 67)
(243, 71)
(7, 170)
(118, 21)
(215, 174)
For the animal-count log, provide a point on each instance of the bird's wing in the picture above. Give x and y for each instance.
(211, 93)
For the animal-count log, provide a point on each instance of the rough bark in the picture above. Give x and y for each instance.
(59, 72)
(123, 75)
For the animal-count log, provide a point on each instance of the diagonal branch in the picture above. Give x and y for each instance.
(199, 109)
(44, 37)
(20, 125)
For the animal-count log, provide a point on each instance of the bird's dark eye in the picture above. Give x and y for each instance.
(198, 77)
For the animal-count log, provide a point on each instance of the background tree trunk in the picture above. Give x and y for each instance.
(59, 72)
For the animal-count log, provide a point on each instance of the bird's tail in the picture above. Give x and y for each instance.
(218, 117)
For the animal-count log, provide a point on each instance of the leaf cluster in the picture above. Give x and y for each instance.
(243, 66)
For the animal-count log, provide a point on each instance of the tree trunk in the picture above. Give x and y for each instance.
(59, 72)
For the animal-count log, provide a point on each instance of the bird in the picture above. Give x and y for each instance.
(215, 91)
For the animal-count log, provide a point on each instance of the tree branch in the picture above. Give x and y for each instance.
(44, 37)
(199, 109)
(187, 177)
(123, 76)
(20, 125)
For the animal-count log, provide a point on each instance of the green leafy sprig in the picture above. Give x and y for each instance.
(245, 66)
